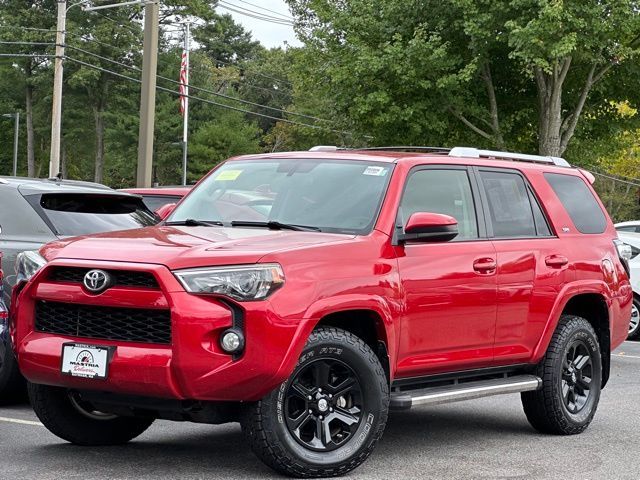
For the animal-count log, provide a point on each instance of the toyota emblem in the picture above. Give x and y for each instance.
(97, 281)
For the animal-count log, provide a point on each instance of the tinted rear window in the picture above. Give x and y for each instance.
(579, 202)
(84, 214)
(154, 202)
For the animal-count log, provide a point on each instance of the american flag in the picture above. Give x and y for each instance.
(184, 83)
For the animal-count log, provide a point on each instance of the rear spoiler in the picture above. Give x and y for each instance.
(588, 175)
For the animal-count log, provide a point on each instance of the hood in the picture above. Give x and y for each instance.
(186, 247)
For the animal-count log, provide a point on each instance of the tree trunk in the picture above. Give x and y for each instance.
(31, 147)
(99, 124)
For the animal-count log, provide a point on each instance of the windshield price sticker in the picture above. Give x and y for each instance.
(228, 175)
(375, 171)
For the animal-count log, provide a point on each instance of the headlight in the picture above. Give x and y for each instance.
(27, 265)
(251, 282)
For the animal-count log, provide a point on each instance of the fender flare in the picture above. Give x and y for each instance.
(565, 295)
(327, 306)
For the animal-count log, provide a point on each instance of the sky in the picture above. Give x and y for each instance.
(269, 34)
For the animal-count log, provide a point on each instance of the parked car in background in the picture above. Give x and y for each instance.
(305, 294)
(9, 376)
(633, 240)
(158, 197)
(36, 211)
(631, 227)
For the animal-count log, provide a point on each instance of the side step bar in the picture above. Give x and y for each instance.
(464, 391)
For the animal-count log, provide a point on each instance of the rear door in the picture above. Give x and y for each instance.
(533, 264)
(450, 287)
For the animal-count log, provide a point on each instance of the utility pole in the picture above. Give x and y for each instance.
(58, 76)
(56, 112)
(148, 94)
(185, 80)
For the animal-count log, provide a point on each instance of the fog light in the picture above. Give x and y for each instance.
(232, 341)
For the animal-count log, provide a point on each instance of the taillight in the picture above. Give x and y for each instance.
(625, 253)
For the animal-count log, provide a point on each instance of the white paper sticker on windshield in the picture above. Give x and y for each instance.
(375, 171)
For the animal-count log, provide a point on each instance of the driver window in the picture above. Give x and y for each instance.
(442, 191)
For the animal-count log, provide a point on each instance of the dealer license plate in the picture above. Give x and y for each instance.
(87, 361)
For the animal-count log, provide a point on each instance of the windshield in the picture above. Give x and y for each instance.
(338, 196)
(73, 214)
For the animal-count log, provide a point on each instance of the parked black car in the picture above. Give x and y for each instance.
(37, 211)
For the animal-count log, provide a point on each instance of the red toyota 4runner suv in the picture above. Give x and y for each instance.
(306, 294)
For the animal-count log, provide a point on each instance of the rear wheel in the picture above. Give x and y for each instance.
(327, 418)
(66, 415)
(571, 374)
(634, 324)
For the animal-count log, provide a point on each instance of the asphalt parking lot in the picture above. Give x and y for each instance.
(487, 438)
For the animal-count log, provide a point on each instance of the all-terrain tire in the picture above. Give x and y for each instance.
(265, 426)
(550, 410)
(57, 412)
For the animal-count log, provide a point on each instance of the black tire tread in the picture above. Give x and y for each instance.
(275, 456)
(54, 409)
(542, 409)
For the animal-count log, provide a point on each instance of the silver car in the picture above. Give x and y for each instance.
(37, 211)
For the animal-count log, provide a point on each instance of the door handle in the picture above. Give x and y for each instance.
(556, 261)
(485, 265)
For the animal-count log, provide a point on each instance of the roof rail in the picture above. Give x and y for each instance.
(406, 149)
(324, 148)
(522, 157)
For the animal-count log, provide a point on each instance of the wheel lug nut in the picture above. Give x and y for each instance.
(331, 409)
(310, 411)
(321, 417)
(310, 397)
(319, 390)
(330, 396)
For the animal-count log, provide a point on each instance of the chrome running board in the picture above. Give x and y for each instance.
(463, 391)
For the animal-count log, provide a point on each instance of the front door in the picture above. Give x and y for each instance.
(450, 287)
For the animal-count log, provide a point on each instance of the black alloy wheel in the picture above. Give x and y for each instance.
(323, 405)
(577, 375)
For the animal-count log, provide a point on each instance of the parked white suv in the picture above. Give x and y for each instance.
(633, 239)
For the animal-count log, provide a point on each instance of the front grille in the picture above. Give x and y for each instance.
(122, 278)
(108, 323)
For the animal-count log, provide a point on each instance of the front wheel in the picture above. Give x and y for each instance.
(327, 418)
(571, 373)
(66, 415)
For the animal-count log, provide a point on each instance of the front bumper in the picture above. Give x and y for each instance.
(192, 366)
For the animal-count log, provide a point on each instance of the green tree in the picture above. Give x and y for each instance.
(517, 73)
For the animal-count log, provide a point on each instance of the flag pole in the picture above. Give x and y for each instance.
(185, 113)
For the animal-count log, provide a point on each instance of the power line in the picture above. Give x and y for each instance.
(247, 13)
(245, 84)
(287, 17)
(616, 179)
(204, 100)
(212, 92)
(32, 44)
(30, 55)
(255, 12)
(29, 29)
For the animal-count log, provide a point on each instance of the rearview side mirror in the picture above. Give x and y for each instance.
(165, 210)
(429, 227)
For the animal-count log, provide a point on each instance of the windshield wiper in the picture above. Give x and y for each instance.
(275, 225)
(191, 222)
